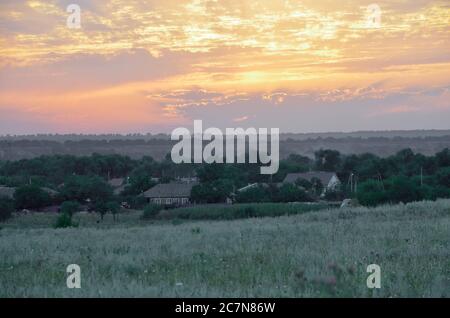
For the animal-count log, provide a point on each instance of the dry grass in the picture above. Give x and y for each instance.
(316, 254)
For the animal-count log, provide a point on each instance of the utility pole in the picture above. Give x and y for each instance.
(351, 182)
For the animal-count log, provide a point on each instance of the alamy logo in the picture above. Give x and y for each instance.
(74, 278)
(374, 279)
(74, 19)
(374, 16)
(235, 143)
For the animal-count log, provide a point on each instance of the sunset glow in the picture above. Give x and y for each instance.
(149, 66)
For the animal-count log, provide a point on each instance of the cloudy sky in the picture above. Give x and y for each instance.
(151, 66)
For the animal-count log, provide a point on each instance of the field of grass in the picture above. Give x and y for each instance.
(313, 254)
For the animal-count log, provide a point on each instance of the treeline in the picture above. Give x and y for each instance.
(403, 177)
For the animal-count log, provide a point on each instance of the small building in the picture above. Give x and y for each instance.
(174, 193)
(118, 185)
(329, 180)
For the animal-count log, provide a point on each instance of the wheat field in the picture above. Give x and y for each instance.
(315, 254)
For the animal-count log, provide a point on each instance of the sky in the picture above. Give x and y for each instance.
(151, 66)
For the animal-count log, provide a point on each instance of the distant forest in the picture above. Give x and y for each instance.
(137, 146)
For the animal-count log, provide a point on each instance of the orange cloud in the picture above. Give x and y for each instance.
(135, 63)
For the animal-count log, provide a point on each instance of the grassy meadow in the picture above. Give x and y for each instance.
(310, 254)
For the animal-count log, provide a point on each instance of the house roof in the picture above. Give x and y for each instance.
(170, 190)
(257, 184)
(51, 192)
(116, 182)
(323, 176)
(7, 192)
(247, 187)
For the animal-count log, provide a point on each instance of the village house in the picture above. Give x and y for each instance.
(118, 185)
(329, 180)
(175, 193)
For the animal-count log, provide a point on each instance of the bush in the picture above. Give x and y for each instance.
(334, 195)
(240, 211)
(256, 194)
(64, 221)
(6, 208)
(290, 193)
(246, 212)
(212, 192)
(151, 211)
(371, 193)
(396, 189)
(70, 207)
(402, 189)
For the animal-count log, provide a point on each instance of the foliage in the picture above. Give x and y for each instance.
(290, 193)
(6, 208)
(136, 202)
(31, 197)
(83, 178)
(114, 208)
(238, 211)
(212, 192)
(393, 190)
(371, 193)
(82, 188)
(402, 189)
(70, 207)
(64, 221)
(334, 195)
(327, 160)
(151, 211)
(257, 194)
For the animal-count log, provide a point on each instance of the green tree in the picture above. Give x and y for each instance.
(443, 158)
(114, 208)
(256, 194)
(6, 208)
(70, 207)
(290, 193)
(371, 193)
(212, 192)
(82, 188)
(402, 189)
(443, 177)
(151, 211)
(327, 160)
(101, 207)
(31, 197)
(211, 172)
